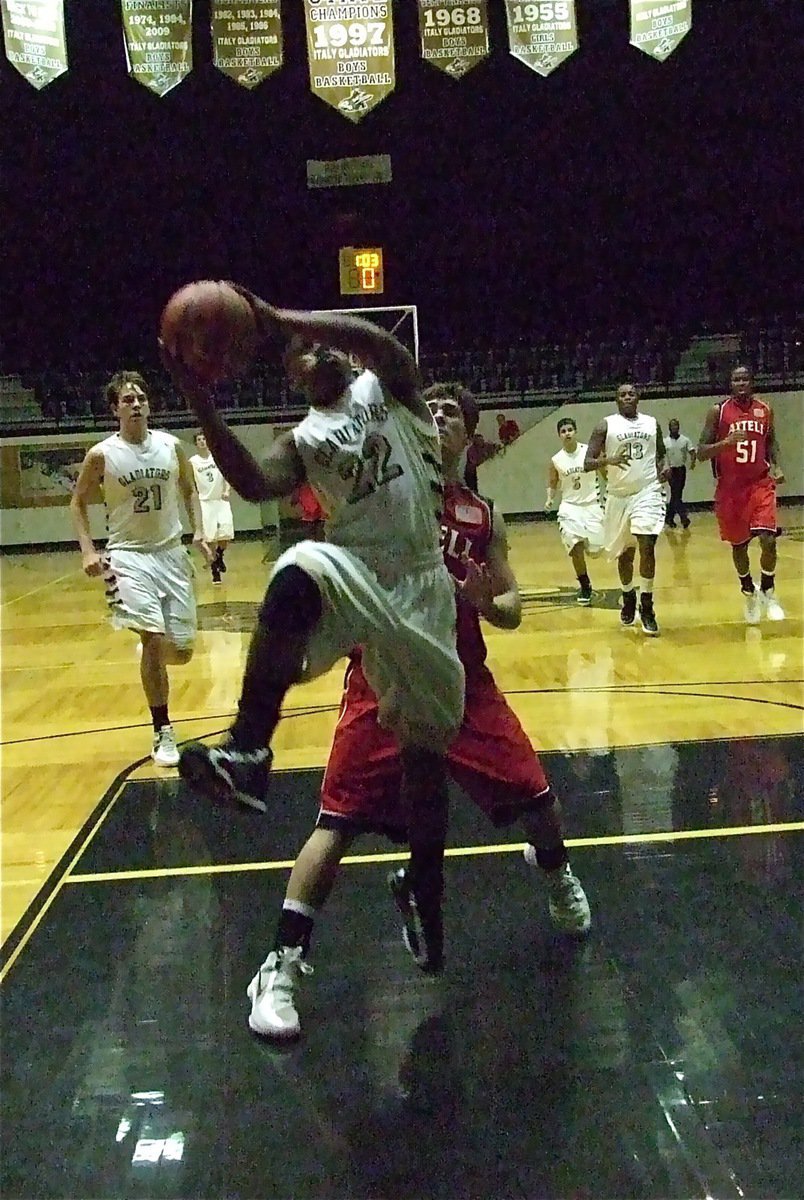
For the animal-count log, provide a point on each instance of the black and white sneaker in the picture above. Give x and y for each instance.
(647, 616)
(628, 607)
(584, 597)
(227, 775)
(422, 933)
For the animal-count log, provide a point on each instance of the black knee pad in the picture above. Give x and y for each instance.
(292, 602)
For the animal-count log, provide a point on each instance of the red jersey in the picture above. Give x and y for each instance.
(466, 523)
(749, 460)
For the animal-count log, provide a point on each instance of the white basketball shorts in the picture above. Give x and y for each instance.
(627, 516)
(151, 591)
(407, 634)
(581, 523)
(216, 520)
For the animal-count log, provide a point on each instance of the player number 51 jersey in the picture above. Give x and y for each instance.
(749, 459)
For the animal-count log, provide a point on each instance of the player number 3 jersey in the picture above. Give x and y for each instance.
(208, 480)
(140, 490)
(377, 468)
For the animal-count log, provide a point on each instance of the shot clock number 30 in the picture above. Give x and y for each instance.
(361, 271)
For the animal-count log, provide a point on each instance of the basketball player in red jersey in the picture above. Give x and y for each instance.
(491, 758)
(739, 437)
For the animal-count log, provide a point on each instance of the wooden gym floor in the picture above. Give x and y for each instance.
(657, 1058)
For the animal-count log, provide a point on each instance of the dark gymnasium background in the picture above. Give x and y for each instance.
(617, 192)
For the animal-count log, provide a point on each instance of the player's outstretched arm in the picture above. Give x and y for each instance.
(708, 445)
(492, 588)
(281, 470)
(192, 505)
(378, 349)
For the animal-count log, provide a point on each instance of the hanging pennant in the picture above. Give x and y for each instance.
(350, 49)
(454, 34)
(246, 40)
(542, 35)
(33, 35)
(657, 26)
(158, 37)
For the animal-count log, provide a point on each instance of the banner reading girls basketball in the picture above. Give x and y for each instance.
(454, 34)
(158, 37)
(350, 48)
(33, 33)
(542, 35)
(246, 40)
(657, 26)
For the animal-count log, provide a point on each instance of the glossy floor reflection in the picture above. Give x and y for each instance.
(659, 1058)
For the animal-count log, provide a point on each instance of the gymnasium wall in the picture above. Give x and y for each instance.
(516, 480)
(34, 501)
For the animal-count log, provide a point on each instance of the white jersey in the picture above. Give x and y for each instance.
(637, 436)
(208, 480)
(377, 468)
(577, 486)
(140, 489)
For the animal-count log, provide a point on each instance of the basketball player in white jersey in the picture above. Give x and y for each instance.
(141, 473)
(630, 445)
(216, 511)
(580, 513)
(370, 448)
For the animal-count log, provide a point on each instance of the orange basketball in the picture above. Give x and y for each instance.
(211, 329)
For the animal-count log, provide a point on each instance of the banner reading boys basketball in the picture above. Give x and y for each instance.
(454, 34)
(246, 40)
(33, 32)
(350, 48)
(542, 35)
(657, 26)
(158, 37)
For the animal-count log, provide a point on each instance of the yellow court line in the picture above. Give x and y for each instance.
(41, 588)
(622, 839)
(36, 922)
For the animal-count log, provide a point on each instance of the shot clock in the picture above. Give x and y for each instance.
(361, 271)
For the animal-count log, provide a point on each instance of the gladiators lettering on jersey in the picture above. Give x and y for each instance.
(158, 40)
(542, 35)
(246, 40)
(657, 26)
(145, 473)
(454, 34)
(34, 39)
(350, 50)
(342, 437)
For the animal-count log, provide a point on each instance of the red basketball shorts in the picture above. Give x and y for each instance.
(491, 758)
(743, 511)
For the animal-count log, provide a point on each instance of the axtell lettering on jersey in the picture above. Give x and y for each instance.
(142, 473)
(747, 426)
(373, 412)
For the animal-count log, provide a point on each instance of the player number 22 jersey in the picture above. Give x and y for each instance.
(377, 468)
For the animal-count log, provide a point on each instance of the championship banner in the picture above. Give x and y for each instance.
(246, 40)
(657, 26)
(542, 35)
(158, 36)
(454, 34)
(350, 48)
(33, 33)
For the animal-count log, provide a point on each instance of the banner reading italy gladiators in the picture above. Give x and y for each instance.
(158, 36)
(34, 39)
(454, 34)
(246, 40)
(657, 26)
(542, 35)
(350, 48)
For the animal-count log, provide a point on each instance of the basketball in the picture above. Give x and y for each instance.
(210, 328)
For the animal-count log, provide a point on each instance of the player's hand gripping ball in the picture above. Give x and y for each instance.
(211, 329)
